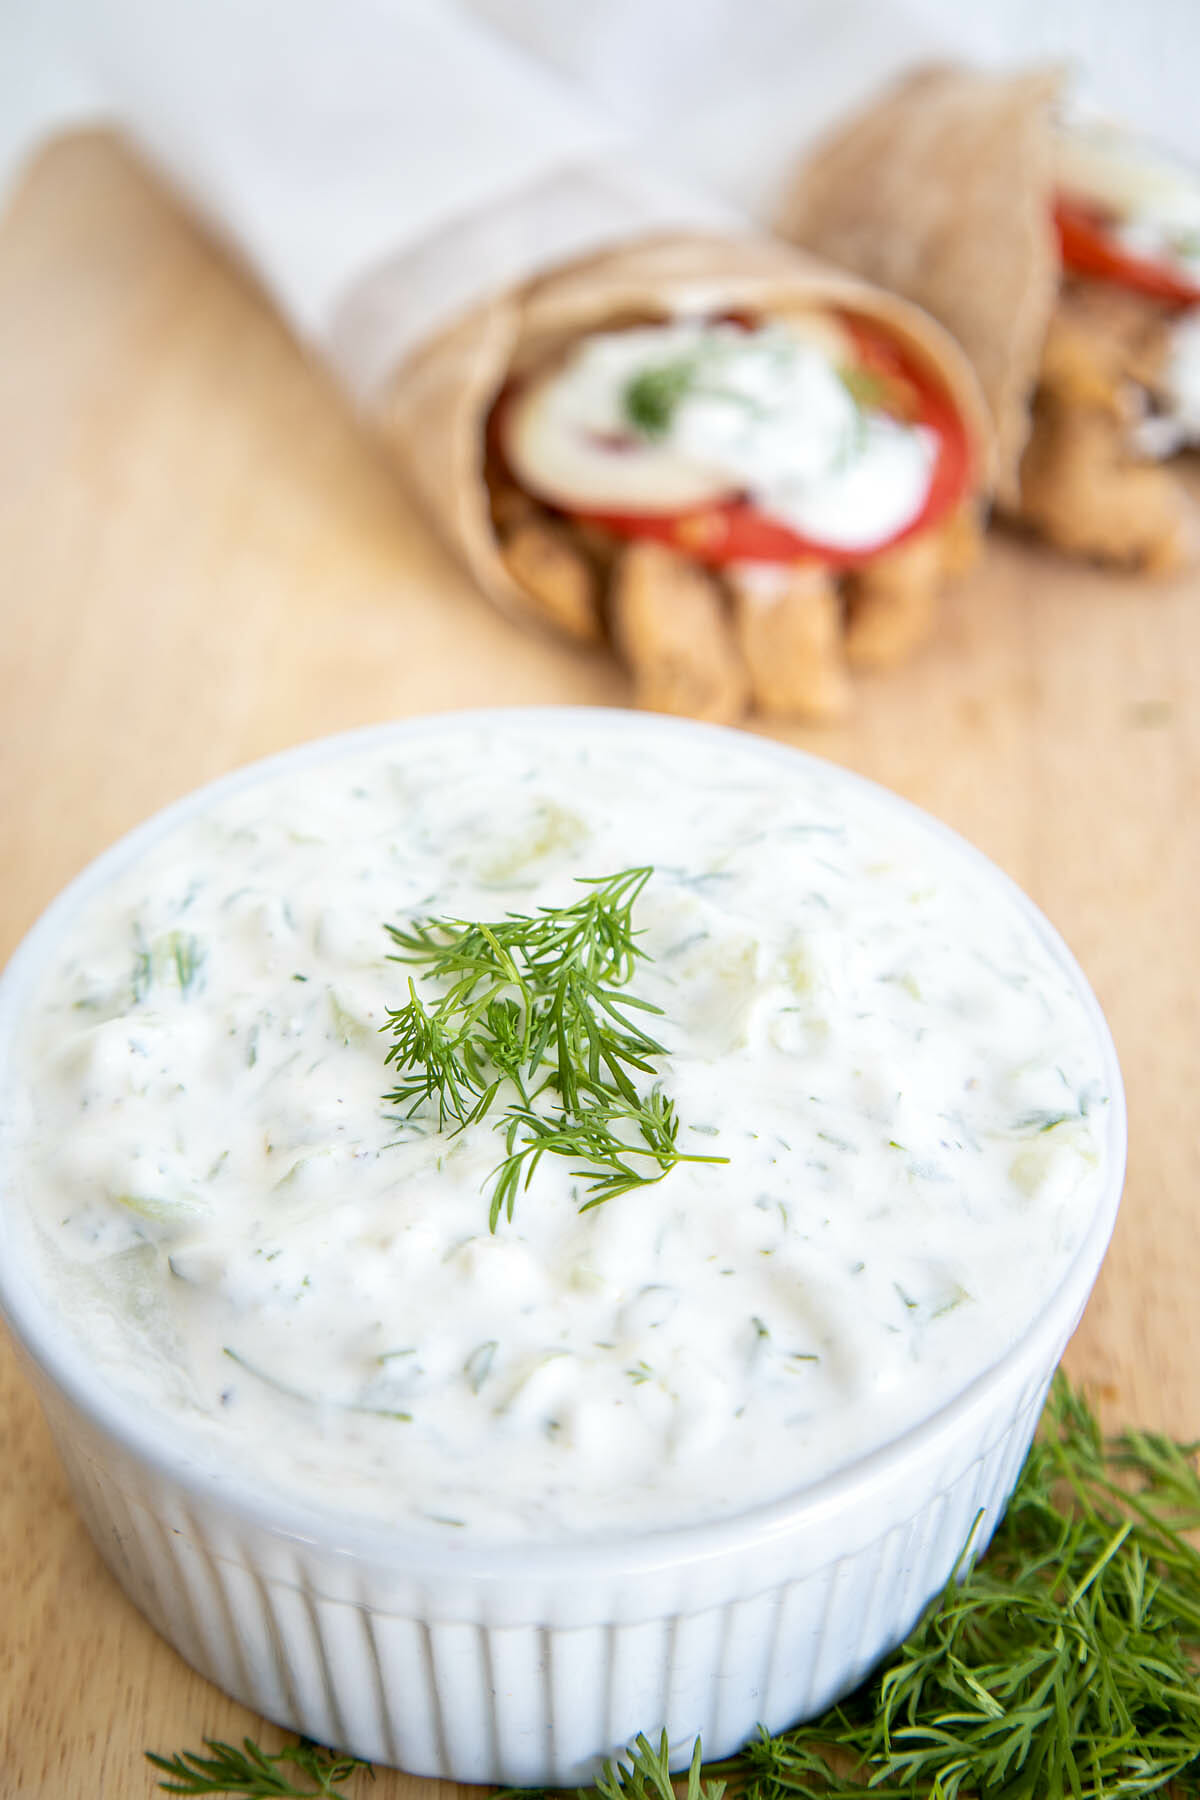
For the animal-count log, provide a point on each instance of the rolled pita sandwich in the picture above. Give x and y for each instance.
(744, 471)
(1065, 258)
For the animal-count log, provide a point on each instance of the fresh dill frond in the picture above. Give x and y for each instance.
(652, 396)
(539, 1001)
(443, 1063)
(312, 1400)
(590, 1135)
(250, 1773)
(1063, 1665)
(646, 1775)
(866, 387)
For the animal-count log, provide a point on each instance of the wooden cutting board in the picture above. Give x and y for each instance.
(202, 560)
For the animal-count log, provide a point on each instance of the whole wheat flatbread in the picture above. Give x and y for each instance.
(433, 411)
(942, 191)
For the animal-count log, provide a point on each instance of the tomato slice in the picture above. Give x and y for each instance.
(1089, 248)
(735, 530)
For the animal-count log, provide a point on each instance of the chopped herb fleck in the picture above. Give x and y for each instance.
(652, 397)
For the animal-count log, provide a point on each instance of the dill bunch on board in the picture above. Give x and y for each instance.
(250, 1773)
(1062, 1666)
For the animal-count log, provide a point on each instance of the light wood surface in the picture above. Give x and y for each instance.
(202, 560)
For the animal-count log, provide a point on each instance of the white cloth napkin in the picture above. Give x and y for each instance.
(337, 144)
(724, 93)
(723, 88)
(382, 164)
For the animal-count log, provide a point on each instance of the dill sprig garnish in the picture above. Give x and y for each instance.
(589, 1135)
(539, 1001)
(1063, 1665)
(652, 396)
(251, 1773)
(869, 390)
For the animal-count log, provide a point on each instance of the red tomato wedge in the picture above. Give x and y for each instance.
(1089, 248)
(735, 530)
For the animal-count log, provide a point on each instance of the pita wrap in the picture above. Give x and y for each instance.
(433, 411)
(942, 191)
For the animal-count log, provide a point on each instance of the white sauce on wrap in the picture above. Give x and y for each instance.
(771, 413)
(906, 1083)
(1154, 203)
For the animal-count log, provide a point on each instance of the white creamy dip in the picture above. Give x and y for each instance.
(767, 412)
(906, 1081)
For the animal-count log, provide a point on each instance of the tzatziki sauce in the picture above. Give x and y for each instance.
(769, 412)
(904, 1072)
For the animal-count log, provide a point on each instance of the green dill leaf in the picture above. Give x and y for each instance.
(478, 1365)
(646, 1775)
(251, 1773)
(866, 387)
(652, 396)
(540, 1002)
(291, 1393)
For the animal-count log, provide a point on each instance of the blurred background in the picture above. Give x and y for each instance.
(230, 231)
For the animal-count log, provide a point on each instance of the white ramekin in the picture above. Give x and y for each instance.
(526, 1664)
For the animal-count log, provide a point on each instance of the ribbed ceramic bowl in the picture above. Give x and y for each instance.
(527, 1664)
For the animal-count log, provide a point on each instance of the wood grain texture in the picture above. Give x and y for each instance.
(202, 560)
